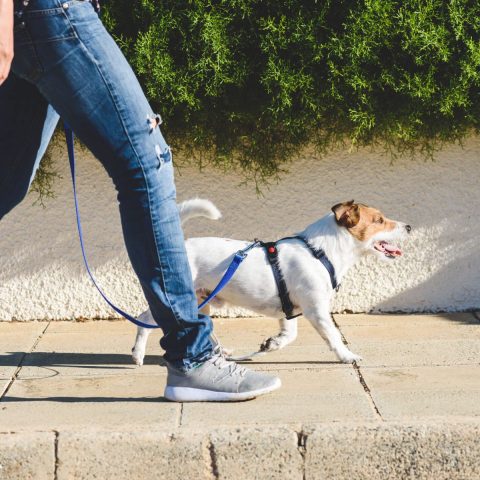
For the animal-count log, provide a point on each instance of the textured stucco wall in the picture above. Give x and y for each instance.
(42, 275)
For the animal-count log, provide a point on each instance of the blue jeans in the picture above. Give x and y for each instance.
(67, 64)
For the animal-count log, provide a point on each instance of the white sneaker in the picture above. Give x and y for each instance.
(218, 380)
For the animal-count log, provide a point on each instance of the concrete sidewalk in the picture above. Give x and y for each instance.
(73, 406)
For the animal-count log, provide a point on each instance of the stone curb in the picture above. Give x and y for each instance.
(27, 456)
(433, 451)
(332, 451)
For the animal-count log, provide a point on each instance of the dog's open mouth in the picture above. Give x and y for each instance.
(389, 250)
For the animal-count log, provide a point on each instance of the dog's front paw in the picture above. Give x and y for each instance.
(274, 343)
(349, 357)
(138, 356)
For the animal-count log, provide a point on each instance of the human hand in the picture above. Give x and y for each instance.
(6, 38)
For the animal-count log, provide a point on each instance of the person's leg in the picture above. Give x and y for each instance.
(81, 72)
(27, 123)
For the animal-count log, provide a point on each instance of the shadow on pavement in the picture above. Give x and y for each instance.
(88, 360)
(9, 399)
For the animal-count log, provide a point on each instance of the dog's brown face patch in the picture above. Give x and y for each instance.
(361, 221)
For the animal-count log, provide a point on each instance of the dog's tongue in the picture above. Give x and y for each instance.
(388, 248)
(392, 249)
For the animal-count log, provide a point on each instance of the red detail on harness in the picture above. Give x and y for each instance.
(271, 249)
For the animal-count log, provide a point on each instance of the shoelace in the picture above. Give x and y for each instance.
(219, 360)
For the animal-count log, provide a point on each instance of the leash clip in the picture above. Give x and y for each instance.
(242, 254)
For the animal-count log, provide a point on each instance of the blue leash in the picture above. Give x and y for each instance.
(232, 268)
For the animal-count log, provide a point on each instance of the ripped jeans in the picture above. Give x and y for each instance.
(67, 64)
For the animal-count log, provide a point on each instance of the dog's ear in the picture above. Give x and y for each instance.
(346, 214)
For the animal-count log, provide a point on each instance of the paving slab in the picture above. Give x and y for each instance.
(414, 328)
(90, 348)
(4, 383)
(425, 392)
(357, 319)
(248, 333)
(413, 340)
(244, 335)
(16, 338)
(65, 402)
(427, 353)
(315, 395)
(95, 327)
(293, 357)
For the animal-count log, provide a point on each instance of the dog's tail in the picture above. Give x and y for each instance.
(198, 207)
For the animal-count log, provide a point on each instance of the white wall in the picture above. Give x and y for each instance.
(42, 275)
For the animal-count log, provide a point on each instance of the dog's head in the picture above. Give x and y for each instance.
(371, 228)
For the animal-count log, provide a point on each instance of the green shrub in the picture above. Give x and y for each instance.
(248, 82)
(43, 183)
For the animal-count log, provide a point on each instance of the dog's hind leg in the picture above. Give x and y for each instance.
(319, 316)
(138, 350)
(288, 334)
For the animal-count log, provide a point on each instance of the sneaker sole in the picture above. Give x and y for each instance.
(186, 394)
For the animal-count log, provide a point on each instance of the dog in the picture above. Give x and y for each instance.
(349, 232)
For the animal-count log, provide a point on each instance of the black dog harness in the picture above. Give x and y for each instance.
(272, 256)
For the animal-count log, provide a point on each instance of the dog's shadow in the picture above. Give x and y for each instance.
(111, 361)
(12, 399)
(295, 362)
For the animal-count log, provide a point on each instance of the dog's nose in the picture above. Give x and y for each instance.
(408, 228)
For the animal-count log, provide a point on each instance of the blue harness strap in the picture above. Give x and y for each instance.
(232, 268)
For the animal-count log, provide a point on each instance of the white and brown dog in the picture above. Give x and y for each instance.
(351, 231)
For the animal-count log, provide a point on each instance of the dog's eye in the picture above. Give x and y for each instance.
(379, 220)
